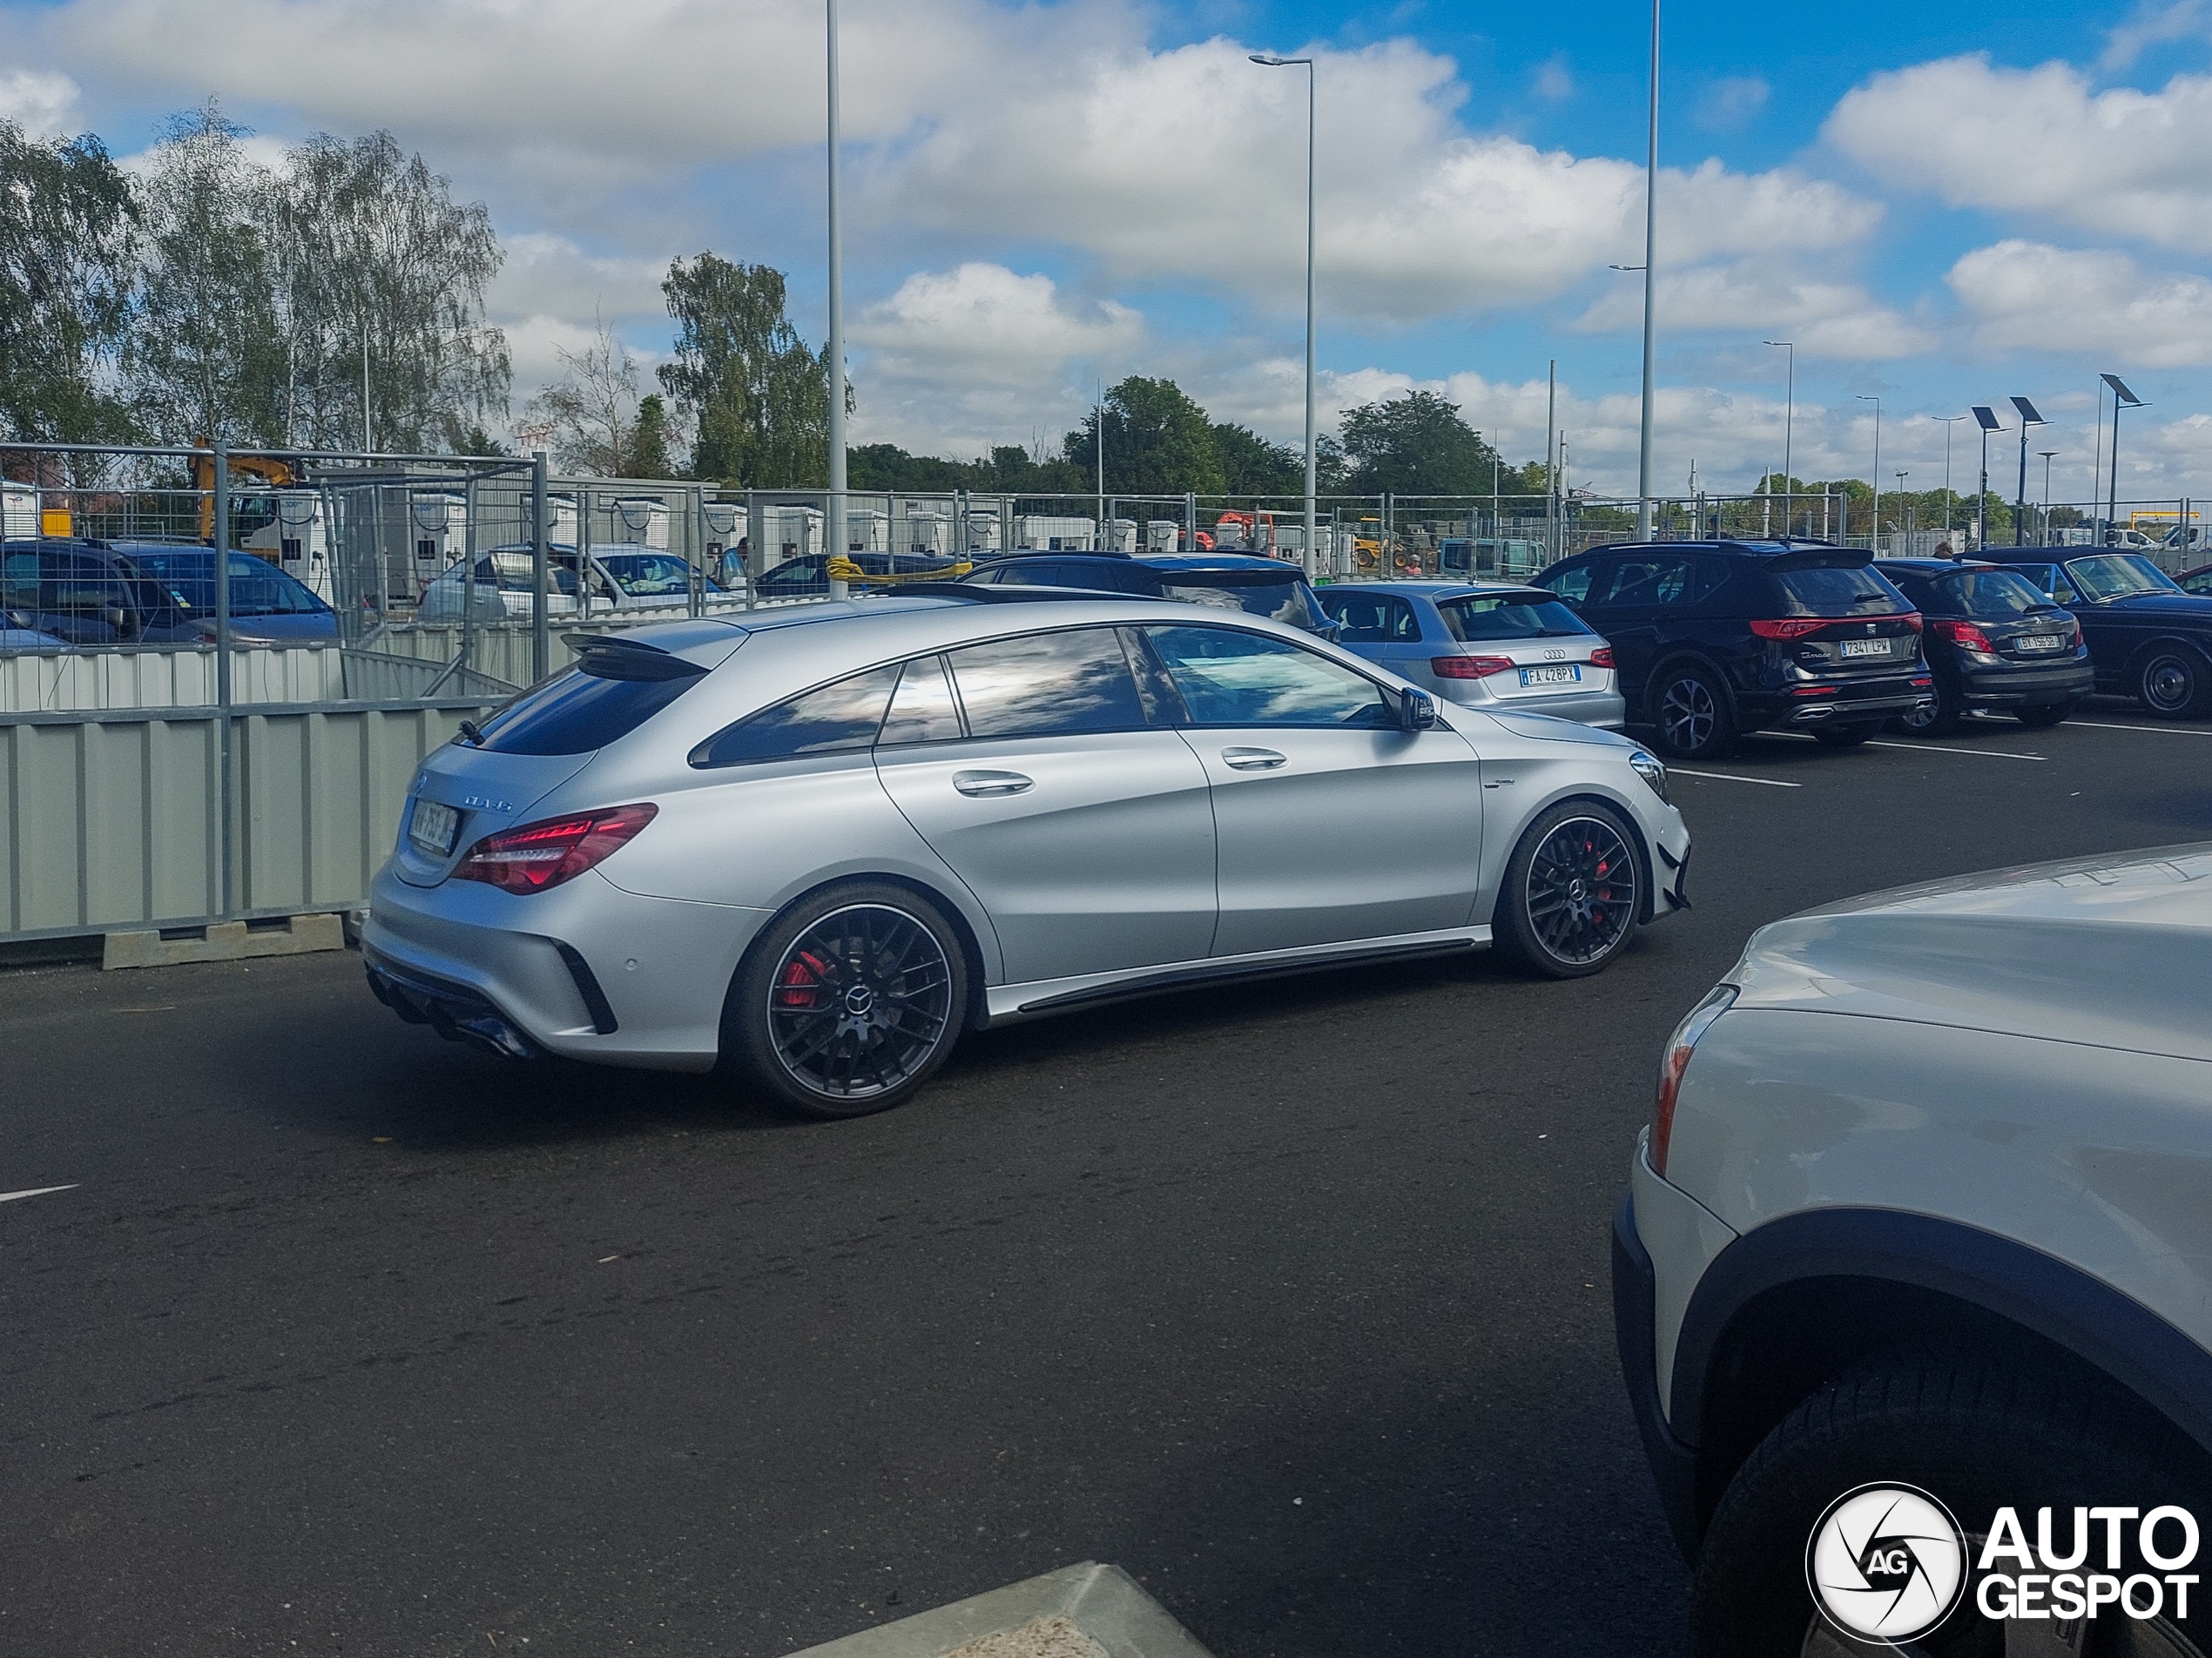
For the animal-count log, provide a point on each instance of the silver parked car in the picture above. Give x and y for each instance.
(1927, 1202)
(624, 576)
(1487, 645)
(821, 842)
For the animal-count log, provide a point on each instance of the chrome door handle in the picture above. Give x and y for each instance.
(1253, 759)
(984, 784)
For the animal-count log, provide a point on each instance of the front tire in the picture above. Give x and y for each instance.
(849, 1001)
(2172, 683)
(1975, 1434)
(1690, 707)
(1573, 891)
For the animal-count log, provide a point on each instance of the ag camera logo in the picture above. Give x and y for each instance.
(1886, 1563)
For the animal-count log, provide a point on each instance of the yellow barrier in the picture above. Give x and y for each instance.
(841, 568)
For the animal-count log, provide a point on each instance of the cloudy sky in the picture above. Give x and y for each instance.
(1940, 205)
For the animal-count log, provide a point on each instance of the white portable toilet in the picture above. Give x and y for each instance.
(924, 530)
(1162, 536)
(724, 525)
(1055, 534)
(788, 532)
(296, 540)
(645, 521)
(983, 531)
(867, 529)
(1121, 535)
(560, 520)
(18, 510)
(439, 520)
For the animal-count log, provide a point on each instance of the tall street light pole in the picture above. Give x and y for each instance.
(2046, 454)
(1868, 397)
(1949, 421)
(2028, 417)
(2121, 397)
(1651, 235)
(1269, 61)
(835, 350)
(1985, 417)
(1789, 419)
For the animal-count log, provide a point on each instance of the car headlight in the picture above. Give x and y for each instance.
(1648, 768)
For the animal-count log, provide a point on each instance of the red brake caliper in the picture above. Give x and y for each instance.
(799, 982)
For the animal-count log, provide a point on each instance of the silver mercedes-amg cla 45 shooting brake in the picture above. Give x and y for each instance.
(818, 844)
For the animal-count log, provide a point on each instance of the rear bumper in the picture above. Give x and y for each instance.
(2027, 686)
(1833, 703)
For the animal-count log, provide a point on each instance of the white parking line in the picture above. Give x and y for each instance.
(1730, 777)
(2164, 731)
(35, 1192)
(1937, 748)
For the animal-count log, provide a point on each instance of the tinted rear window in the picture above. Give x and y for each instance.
(1278, 601)
(577, 712)
(1988, 593)
(1048, 685)
(1508, 616)
(834, 719)
(1827, 590)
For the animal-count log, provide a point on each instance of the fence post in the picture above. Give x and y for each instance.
(226, 839)
(541, 626)
(756, 548)
(469, 571)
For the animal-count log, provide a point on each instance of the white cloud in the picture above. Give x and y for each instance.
(2030, 296)
(2038, 141)
(2153, 26)
(551, 275)
(41, 102)
(1823, 318)
(1731, 102)
(1554, 81)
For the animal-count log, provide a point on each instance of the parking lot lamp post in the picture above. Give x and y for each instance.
(2121, 397)
(2046, 454)
(1650, 236)
(1986, 417)
(1949, 421)
(2028, 417)
(1789, 419)
(835, 350)
(1868, 397)
(1269, 61)
(1905, 521)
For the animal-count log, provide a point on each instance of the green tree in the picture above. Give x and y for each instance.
(649, 440)
(756, 396)
(1252, 465)
(1158, 442)
(68, 227)
(372, 254)
(205, 358)
(1416, 445)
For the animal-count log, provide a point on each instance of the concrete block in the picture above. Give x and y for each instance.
(1031, 1619)
(223, 941)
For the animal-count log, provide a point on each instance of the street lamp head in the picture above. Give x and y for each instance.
(1268, 60)
(2028, 416)
(1791, 343)
(1624, 267)
(1986, 418)
(2120, 390)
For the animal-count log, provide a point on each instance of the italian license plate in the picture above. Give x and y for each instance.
(431, 826)
(1566, 674)
(2038, 642)
(1866, 647)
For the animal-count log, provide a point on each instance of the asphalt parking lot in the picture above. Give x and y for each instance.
(1289, 1298)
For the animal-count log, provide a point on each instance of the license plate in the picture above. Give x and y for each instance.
(1566, 674)
(1866, 647)
(431, 826)
(2038, 642)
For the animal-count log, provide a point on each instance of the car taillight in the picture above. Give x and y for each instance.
(1793, 628)
(1676, 1061)
(1911, 619)
(1602, 657)
(1470, 667)
(540, 855)
(1964, 635)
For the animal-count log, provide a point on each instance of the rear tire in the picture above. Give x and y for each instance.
(1845, 736)
(1941, 719)
(1976, 1434)
(1573, 891)
(2041, 719)
(849, 1001)
(1691, 708)
(2172, 683)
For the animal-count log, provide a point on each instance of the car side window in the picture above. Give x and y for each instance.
(922, 709)
(1047, 685)
(1576, 582)
(1371, 619)
(1650, 579)
(1230, 677)
(838, 717)
(19, 580)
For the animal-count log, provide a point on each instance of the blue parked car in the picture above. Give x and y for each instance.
(266, 604)
(1493, 645)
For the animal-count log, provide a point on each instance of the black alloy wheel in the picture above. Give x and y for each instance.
(2172, 683)
(1937, 719)
(1573, 891)
(849, 1001)
(1691, 712)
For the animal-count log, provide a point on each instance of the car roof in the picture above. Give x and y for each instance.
(1932, 566)
(1434, 591)
(1725, 545)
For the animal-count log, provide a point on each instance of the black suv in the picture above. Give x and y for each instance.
(2147, 637)
(1266, 587)
(1995, 642)
(1714, 638)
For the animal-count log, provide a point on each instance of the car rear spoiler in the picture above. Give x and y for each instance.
(610, 655)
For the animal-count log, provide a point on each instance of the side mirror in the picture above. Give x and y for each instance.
(1416, 711)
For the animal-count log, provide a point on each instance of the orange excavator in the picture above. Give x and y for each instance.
(277, 472)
